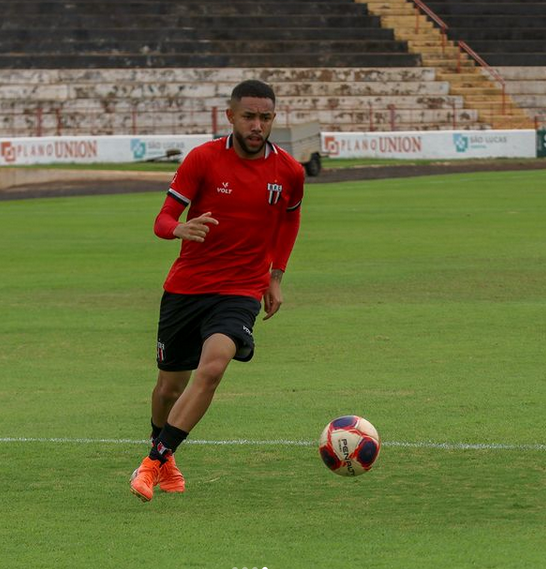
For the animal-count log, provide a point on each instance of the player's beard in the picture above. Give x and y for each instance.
(250, 151)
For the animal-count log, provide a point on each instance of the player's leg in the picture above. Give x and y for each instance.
(159, 466)
(218, 351)
(226, 324)
(170, 385)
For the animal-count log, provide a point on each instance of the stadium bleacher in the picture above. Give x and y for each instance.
(503, 32)
(191, 33)
(153, 66)
(167, 100)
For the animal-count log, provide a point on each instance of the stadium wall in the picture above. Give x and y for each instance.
(463, 144)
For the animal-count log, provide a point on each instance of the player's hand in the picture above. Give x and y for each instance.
(195, 229)
(273, 297)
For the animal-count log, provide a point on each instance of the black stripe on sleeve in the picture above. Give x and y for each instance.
(178, 197)
(294, 207)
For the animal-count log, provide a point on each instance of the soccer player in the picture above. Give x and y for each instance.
(244, 195)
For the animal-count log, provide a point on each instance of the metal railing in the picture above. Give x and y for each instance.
(422, 7)
(463, 46)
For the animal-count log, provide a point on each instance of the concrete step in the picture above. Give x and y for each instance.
(502, 123)
(472, 34)
(516, 59)
(45, 61)
(188, 34)
(513, 46)
(391, 10)
(186, 103)
(206, 76)
(476, 83)
(498, 109)
(139, 130)
(106, 10)
(526, 87)
(431, 41)
(487, 88)
(445, 64)
(407, 22)
(125, 121)
(457, 90)
(159, 47)
(431, 50)
(521, 74)
(478, 99)
(421, 34)
(531, 102)
(483, 9)
(470, 75)
(127, 21)
(322, 92)
(127, 3)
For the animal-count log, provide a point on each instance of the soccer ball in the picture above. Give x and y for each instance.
(349, 445)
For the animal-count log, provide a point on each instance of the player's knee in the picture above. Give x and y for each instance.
(211, 374)
(168, 391)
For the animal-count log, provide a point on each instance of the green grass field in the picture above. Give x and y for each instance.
(329, 163)
(417, 303)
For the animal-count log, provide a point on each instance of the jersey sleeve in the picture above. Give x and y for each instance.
(184, 186)
(187, 180)
(296, 195)
(167, 219)
(286, 239)
(290, 225)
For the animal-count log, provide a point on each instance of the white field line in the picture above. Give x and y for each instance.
(283, 442)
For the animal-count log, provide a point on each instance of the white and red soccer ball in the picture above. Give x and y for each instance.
(349, 445)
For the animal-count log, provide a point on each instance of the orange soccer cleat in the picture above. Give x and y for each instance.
(144, 478)
(170, 478)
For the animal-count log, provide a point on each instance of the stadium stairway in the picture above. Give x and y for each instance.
(466, 79)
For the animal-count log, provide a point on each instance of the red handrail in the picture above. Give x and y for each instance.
(443, 26)
(493, 72)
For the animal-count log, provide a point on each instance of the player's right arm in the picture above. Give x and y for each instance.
(168, 226)
(183, 188)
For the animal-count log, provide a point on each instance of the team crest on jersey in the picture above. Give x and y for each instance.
(274, 191)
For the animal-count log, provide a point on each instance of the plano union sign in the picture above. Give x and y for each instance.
(431, 144)
(89, 149)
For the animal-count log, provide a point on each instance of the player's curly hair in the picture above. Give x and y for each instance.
(252, 88)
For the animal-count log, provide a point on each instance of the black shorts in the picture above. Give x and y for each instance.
(187, 320)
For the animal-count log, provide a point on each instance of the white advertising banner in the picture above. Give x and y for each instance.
(448, 144)
(90, 149)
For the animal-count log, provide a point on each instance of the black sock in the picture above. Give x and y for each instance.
(155, 430)
(167, 442)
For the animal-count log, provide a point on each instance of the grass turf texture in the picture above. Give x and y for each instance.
(417, 303)
(327, 163)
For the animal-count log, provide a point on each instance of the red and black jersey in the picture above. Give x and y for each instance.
(257, 204)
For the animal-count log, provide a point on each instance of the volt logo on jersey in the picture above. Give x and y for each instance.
(224, 188)
(274, 191)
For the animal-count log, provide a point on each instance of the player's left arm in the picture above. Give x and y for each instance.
(286, 239)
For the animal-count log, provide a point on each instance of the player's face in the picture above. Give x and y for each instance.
(252, 120)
